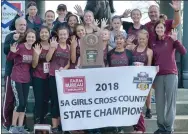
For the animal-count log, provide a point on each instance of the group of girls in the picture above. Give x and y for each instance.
(57, 47)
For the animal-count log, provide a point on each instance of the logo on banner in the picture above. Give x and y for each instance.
(74, 84)
(142, 80)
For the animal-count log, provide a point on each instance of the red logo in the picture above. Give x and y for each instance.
(74, 84)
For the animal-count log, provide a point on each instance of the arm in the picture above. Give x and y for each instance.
(111, 4)
(8, 41)
(130, 47)
(73, 54)
(176, 5)
(35, 59)
(14, 51)
(179, 46)
(150, 56)
(50, 54)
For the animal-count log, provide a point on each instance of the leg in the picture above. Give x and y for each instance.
(140, 126)
(8, 105)
(38, 94)
(54, 102)
(160, 101)
(25, 91)
(171, 85)
(148, 105)
(46, 90)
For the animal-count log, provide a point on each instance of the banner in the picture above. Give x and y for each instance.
(103, 97)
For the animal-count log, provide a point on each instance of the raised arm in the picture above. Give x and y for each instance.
(73, 49)
(36, 53)
(53, 47)
(176, 4)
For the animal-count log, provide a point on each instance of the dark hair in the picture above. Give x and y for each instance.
(76, 26)
(62, 7)
(116, 17)
(31, 3)
(23, 39)
(55, 33)
(70, 15)
(156, 24)
(163, 17)
(136, 9)
(43, 27)
(50, 11)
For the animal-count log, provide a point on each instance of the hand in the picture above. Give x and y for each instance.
(79, 10)
(96, 23)
(131, 39)
(13, 47)
(20, 13)
(53, 43)
(73, 41)
(104, 22)
(176, 4)
(126, 13)
(61, 68)
(16, 36)
(37, 49)
(174, 34)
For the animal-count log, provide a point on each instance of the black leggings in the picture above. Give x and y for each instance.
(54, 98)
(41, 94)
(20, 91)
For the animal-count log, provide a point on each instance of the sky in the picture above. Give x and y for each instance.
(142, 5)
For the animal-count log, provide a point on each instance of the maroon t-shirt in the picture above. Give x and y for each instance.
(22, 64)
(118, 59)
(72, 65)
(59, 59)
(150, 28)
(164, 55)
(43, 65)
(140, 56)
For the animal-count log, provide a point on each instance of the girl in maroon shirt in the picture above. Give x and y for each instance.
(166, 81)
(132, 28)
(40, 75)
(20, 77)
(59, 58)
(142, 56)
(75, 45)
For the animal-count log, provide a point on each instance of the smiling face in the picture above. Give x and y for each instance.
(72, 21)
(136, 15)
(116, 24)
(21, 25)
(49, 17)
(30, 38)
(32, 10)
(160, 29)
(44, 34)
(142, 38)
(88, 17)
(80, 31)
(63, 35)
(154, 13)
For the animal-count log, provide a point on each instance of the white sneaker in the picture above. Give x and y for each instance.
(14, 130)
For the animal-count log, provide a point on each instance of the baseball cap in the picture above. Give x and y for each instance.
(62, 7)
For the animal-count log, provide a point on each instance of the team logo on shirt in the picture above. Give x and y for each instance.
(142, 80)
(74, 84)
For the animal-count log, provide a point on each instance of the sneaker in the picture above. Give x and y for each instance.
(159, 132)
(22, 130)
(148, 114)
(55, 130)
(14, 130)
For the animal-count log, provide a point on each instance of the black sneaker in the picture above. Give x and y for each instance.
(148, 114)
(159, 132)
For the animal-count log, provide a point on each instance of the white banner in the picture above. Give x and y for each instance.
(103, 97)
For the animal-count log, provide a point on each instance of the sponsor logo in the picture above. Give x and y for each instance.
(142, 81)
(74, 84)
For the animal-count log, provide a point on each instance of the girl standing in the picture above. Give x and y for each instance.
(49, 19)
(20, 78)
(40, 76)
(142, 56)
(59, 58)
